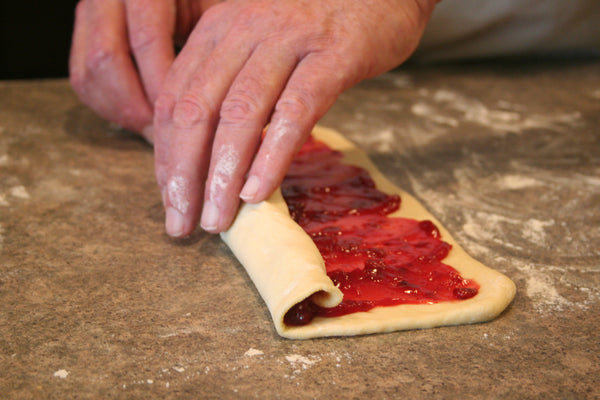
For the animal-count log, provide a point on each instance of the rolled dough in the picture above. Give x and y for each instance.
(286, 267)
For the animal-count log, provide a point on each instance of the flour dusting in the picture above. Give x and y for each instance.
(280, 131)
(491, 227)
(517, 182)
(551, 289)
(425, 110)
(381, 141)
(61, 373)
(449, 107)
(178, 190)
(541, 290)
(228, 159)
(486, 225)
(251, 352)
(402, 81)
(299, 361)
(20, 192)
(535, 230)
(4, 160)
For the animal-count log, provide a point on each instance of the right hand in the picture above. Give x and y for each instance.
(252, 62)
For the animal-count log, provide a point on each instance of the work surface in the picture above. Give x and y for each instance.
(97, 302)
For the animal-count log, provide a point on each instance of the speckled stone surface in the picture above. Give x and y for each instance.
(97, 302)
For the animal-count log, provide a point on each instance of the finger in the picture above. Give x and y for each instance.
(244, 113)
(311, 91)
(190, 128)
(181, 72)
(195, 56)
(101, 70)
(151, 29)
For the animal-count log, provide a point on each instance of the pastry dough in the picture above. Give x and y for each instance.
(286, 267)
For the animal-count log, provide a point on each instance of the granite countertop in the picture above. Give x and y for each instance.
(97, 302)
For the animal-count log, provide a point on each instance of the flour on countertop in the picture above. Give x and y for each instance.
(381, 141)
(517, 182)
(540, 289)
(446, 107)
(422, 109)
(61, 373)
(401, 81)
(4, 160)
(251, 352)
(491, 227)
(544, 292)
(17, 191)
(535, 230)
(20, 192)
(590, 180)
(301, 363)
(486, 224)
(297, 360)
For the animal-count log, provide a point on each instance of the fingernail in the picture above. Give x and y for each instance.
(174, 223)
(250, 188)
(210, 216)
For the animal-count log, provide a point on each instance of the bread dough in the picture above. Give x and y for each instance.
(286, 266)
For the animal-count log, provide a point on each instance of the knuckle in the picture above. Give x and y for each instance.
(296, 105)
(100, 54)
(191, 111)
(239, 107)
(143, 38)
(163, 108)
(245, 19)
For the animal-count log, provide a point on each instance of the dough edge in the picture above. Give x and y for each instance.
(286, 267)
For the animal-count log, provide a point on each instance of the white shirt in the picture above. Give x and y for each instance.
(483, 28)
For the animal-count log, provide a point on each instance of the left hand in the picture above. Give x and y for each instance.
(121, 52)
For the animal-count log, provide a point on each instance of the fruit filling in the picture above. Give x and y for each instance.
(374, 259)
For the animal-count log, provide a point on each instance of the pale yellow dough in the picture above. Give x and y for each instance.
(286, 267)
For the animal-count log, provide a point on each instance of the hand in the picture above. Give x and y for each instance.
(107, 34)
(252, 62)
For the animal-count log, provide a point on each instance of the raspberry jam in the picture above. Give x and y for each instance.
(375, 260)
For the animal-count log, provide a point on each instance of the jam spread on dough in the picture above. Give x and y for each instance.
(375, 260)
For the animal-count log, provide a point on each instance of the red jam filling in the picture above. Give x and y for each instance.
(375, 260)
